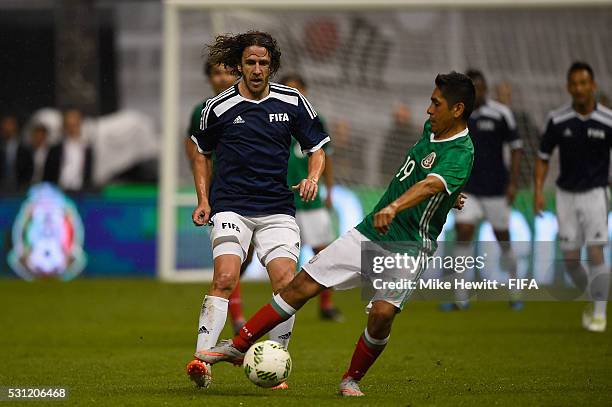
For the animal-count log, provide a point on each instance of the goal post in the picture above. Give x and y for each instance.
(516, 49)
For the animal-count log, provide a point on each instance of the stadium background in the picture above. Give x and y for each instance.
(364, 69)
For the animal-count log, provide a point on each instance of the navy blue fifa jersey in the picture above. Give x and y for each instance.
(490, 126)
(251, 141)
(584, 146)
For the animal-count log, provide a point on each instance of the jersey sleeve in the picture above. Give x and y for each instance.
(454, 169)
(307, 128)
(207, 135)
(511, 135)
(548, 141)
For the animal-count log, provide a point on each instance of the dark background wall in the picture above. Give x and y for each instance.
(28, 65)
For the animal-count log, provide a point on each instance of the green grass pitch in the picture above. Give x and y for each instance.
(126, 342)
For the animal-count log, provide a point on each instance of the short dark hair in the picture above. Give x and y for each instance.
(475, 74)
(457, 88)
(580, 66)
(227, 49)
(294, 77)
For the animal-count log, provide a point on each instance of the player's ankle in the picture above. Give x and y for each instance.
(346, 375)
(240, 343)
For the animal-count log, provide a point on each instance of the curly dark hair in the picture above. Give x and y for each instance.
(227, 49)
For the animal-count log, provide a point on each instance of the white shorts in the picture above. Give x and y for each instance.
(582, 217)
(315, 227)
(495, 209)
(273, 236)
(339, 266)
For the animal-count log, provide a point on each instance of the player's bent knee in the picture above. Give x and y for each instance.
(226, 275)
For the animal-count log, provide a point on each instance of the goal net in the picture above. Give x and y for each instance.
(370, 68)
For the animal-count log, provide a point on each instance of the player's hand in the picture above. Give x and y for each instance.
(511, 193)
(308, 189)
(538, 203)
(201, 214)
(460, 202)
(383, 218)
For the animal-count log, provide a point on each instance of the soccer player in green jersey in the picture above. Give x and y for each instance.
(412, 210)
(313, 216)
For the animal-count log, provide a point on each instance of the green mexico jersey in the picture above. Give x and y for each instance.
(298, 170)
(451, 161)
(194, 121)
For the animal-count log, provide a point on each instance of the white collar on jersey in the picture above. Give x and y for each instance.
(462, 133)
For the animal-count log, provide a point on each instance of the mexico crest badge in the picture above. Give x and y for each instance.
(47, 236)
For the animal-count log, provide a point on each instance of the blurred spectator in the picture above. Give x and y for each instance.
(402, 135)
(69, 163)
(527, 131)
(9, 144)
(31, 158)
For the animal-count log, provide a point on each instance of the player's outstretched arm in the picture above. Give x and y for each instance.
(309, 187)
(541, 169)
(202, 171)
(413, 196)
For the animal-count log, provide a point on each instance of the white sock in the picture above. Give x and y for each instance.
(212, 319)
(281, 333)
(599, 287)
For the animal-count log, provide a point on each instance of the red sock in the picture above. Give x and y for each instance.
(259, 325)
(364, 356)
(235, 305)
(325, 301)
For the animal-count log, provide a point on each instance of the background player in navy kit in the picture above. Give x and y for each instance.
(490, 189)
(219, 78)
(583, 133)
(249, 127)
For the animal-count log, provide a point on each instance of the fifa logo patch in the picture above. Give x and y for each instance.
(227, 225)
(279, 117)
(596, 133)
(428, 161)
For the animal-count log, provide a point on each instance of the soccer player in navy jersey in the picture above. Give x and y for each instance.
(249, 128)
(219, 78)
(491, 188)
(582, 131)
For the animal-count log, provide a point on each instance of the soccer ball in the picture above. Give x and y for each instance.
(267, 364)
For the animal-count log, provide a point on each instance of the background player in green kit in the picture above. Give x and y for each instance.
(413, 209)
(313, 217)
